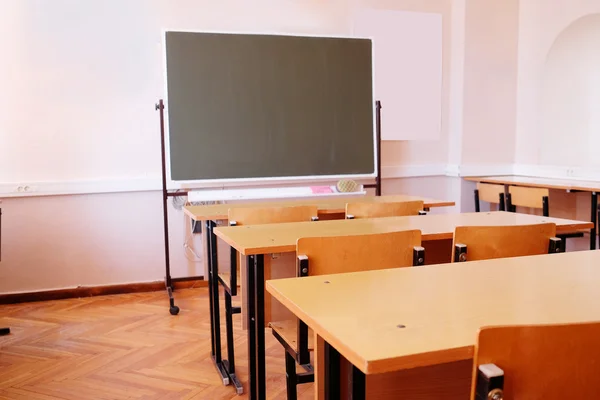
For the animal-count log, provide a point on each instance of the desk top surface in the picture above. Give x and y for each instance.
(441, 307)
(326, 205)
(279, 238)
(550, 183)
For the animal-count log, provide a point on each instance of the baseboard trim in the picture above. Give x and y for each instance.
(90, 291)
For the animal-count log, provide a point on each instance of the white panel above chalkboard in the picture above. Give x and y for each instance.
(407, 52)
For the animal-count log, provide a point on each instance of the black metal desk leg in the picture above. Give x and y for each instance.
(259, 310)
(214, 284)
(210, 289)
(332, 373)
(594, 220)
(356, 384)
(249, 294)
(229, 364)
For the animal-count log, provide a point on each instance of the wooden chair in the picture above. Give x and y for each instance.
(332, 255)
(536, 198)
(528, 197)
(543, 362)
(250, 216)
(489, 193)
(487, 242)
(379, 210)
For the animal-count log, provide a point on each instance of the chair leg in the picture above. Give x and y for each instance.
(291, 380)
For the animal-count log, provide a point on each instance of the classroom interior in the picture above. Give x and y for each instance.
(146, 254)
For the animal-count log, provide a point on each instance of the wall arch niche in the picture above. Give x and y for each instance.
(570, 97)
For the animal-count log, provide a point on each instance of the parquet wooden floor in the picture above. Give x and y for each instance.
(123, 347)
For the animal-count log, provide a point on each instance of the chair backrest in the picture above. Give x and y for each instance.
(271, 215)
(490, 193)
(549, 362)
(337, 254)
(473, 243)
(528, 197)
(379, 210)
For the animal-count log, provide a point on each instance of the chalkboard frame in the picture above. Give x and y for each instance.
(252, 181)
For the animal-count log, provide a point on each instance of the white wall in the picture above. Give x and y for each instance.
(79, 80)
(540, 27)
(426, 152)
(570, 97)
(490, 81)
(67, 241)
(76, 112)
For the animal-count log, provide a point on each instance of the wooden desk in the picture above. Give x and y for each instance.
(592, 187)
(442, 308)
(329, 207)
(529, 181)
(332, 205)
(255, 241)
(279, 238)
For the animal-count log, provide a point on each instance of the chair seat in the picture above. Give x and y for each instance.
(288, 332)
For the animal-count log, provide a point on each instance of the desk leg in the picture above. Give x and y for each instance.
(210, 289)
(229, 364)
(213, 285)
(594, 220)
(332, 373)
(249, 294)
(255, 292)
(259, 325)
(357, 384)
(356, 379)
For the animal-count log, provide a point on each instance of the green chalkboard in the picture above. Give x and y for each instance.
(245, 106)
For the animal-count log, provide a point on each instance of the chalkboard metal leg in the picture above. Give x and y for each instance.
(594, 218)
(3, 331)
(377, 184)
(173, 309)
(378, 145)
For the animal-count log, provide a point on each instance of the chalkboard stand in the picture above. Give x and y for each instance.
(173, 309)
(160, 107)
(3, 331)
(377, 184)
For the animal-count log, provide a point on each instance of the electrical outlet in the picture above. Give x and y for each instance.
(24, 188)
